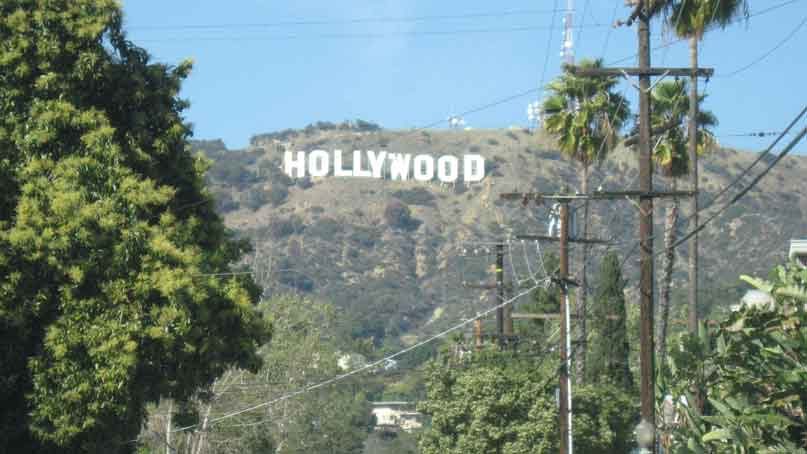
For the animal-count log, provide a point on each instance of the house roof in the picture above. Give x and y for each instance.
(798, 250)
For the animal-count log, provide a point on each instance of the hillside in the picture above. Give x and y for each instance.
(397, 279)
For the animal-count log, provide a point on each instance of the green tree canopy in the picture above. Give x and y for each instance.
(500, 404)
(107, 237)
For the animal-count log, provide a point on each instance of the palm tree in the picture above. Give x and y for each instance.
(690, 19)
(669, 106)
(584, 115)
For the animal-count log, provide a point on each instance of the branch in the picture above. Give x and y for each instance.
(636, 12)
(634, 139)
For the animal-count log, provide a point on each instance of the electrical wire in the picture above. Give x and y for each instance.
(725, 189)
(758, 13)
(366, 367)
(766, 54)
(330, 36)
(548, 50)
(362, 20)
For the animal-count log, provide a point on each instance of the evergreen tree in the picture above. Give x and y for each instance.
(609, 353)
(108, 238)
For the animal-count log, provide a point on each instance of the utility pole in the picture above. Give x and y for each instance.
(565, 407)
(565, 385)
(168, 427)
(504, 319)
(646, 279)
(693, 179)
(478, 333)
(644, 195)
(506, 327)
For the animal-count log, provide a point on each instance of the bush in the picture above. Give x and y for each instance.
(280, 228)
(417, 196)
(224, 201)
(364, 236)
(255, 198)
(325, 228)
(398, 215)
(304, 183)
(277, 195)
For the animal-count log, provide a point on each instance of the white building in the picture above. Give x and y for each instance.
(393, 416)
(798, 252)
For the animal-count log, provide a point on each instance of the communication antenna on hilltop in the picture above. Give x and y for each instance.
(456, 122)
(534, 115)
(567, 46)
(534, 112)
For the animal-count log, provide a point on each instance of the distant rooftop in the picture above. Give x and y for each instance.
(798, 251)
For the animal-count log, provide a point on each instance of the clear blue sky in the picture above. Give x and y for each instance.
(266, 67)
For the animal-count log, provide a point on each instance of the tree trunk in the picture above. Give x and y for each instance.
(582, 290)
(692, 320)
(670, 236)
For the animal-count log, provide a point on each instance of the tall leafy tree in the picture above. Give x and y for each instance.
(303, 351)
(670, 105)
(608, 358)
(507, 406)
(690, 19)
(108, 239)
(585, 115)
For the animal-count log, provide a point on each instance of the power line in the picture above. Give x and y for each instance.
(766, 54)
(368, 366)
(361, 20)
(548, 48)
(676, 41)
(328, 36)
(745, 190)
(731, 184)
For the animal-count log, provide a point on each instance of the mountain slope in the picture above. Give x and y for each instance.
(398, 279)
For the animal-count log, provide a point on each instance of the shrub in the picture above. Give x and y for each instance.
(304, 183)
(225, 202)
(326, 228)
(417, 196)
(280, 228)
(277, 195)
(398, 215)
(255, 198)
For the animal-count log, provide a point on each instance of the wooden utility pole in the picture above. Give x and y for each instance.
(504, 320)
(565, 407)
(693, 178)
(646, 348)
(499, 270)
(478, 333)
(506, 330)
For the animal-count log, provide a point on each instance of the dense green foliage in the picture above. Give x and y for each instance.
(501, 404)
(752, 370)
(106, 234)
(303, 351)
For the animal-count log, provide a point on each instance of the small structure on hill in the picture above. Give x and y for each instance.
(798, 252)
(396, 416)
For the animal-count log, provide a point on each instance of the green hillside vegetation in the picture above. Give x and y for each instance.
(387, 252)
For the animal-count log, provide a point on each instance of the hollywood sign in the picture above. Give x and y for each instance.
(395, 166)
